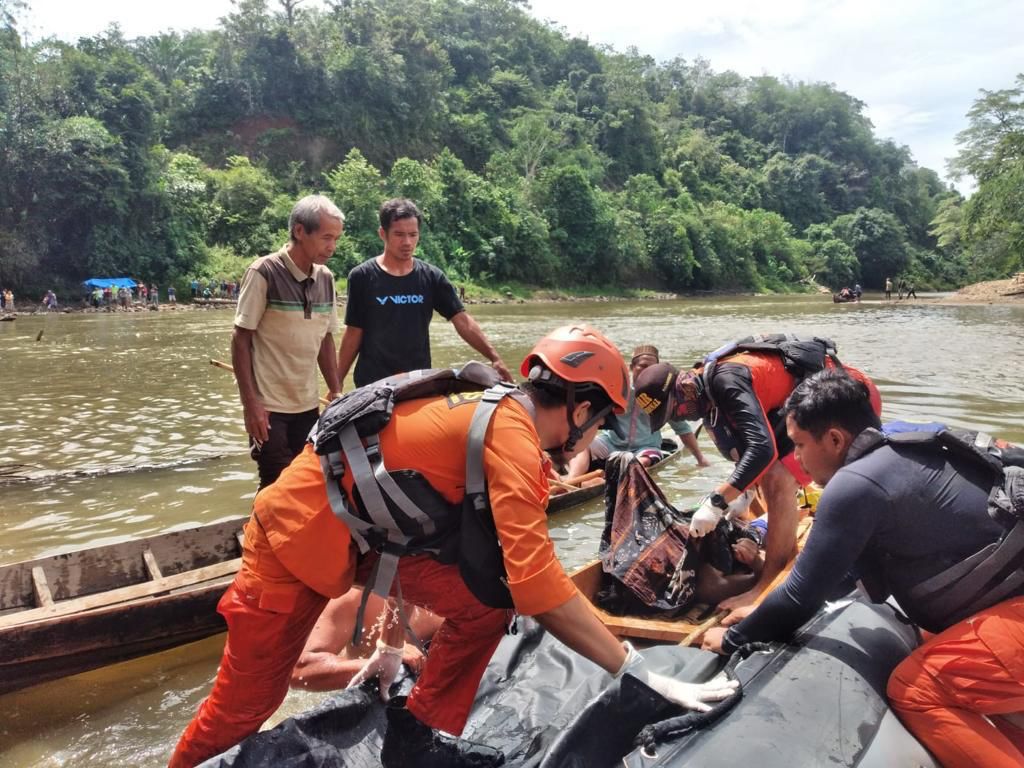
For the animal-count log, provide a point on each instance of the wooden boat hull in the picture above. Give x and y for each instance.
(565, 501)
(78, 611)
(686, 629)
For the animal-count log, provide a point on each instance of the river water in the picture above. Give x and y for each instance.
(101, 394)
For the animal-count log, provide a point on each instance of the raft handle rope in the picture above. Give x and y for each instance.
(652, 735)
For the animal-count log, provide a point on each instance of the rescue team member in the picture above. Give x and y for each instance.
(746, 392)
(391, 299)
(284, 328)
(297, 554)
(900, 515)
(632, 431)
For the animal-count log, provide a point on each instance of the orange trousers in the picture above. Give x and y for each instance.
(950, 691)
(460, 649)
(269, 615)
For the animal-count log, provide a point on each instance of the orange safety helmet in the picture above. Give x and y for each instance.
(582, 356)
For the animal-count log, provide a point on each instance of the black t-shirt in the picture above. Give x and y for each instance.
(895, 518)
(394, 314)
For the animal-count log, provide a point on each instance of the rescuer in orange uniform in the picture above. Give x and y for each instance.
(298, 554)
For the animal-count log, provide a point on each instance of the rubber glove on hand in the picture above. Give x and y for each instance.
(694, 696)
(705, 518)
(740, 504)
(384, 665)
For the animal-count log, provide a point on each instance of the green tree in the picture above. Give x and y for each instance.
(879, 242)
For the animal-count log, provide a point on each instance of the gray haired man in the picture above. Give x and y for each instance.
(284, 328)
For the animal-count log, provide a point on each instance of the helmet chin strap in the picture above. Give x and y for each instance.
(576, 433)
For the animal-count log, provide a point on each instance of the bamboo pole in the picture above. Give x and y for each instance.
(227, 367)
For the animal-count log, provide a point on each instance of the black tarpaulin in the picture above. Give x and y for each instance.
(541, 704)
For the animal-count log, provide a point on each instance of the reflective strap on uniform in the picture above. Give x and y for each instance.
(356, 525)
(398, 496)
(382, 576)
(363, 477)
(475, 481)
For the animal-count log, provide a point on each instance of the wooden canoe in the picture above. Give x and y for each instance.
(564, 501)
(69, 613)
(683, 630)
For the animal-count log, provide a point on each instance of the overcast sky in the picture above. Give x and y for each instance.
(917, 65)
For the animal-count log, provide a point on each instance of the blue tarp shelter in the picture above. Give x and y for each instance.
(113, 282)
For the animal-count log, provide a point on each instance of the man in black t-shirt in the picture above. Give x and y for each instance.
(391, 299)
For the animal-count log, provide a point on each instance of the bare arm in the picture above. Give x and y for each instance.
(328, 363)
(257, 420)
(351, 340)
(471, 332)
(575, 625)
(690, 441)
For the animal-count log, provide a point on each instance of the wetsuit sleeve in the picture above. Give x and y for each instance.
(733, 391)
(518, 491)
(847, 516)
(446, 301)
(357, 295)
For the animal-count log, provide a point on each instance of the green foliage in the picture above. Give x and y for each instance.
(241, 216)
(536, 158)
(989, 226)
(879, 242)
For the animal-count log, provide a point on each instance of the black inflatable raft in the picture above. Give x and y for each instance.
(819, 701)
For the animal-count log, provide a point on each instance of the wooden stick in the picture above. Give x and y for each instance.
(580, 479)
(226, 367)
(563, 486)
(703, 627)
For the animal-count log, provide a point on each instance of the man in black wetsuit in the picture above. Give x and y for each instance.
(391, 299)
(740, 404)
(898, 516)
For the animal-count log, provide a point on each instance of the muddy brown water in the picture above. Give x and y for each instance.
(100, 395)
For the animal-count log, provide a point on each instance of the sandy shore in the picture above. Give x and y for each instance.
(1009, 291)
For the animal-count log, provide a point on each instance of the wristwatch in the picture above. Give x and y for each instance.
(718, 500)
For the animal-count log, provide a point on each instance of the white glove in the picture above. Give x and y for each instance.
(688, 695)
(384, 665)
(705, 518)
(740, 504)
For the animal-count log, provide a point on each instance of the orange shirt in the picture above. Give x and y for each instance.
(429, 436)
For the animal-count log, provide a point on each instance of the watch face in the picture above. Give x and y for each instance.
(718, 500)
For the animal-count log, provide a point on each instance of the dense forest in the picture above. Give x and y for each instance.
(538, 159)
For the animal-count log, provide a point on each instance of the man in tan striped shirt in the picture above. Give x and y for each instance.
(284, 329)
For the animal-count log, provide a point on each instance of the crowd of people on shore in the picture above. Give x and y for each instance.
(124, 297)
(367, 495)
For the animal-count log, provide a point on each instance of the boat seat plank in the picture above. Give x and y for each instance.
(41, 588)
(123, 594)
(151, 564)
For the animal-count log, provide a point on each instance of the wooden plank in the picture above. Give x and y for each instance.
(151, 564)
(41, 588)
(123, 594)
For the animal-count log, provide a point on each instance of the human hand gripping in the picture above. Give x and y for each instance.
(694, 696)
(705, 518)
(503, 371)
(384, 665)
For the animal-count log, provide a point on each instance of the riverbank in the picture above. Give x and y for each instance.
(1010, 291)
